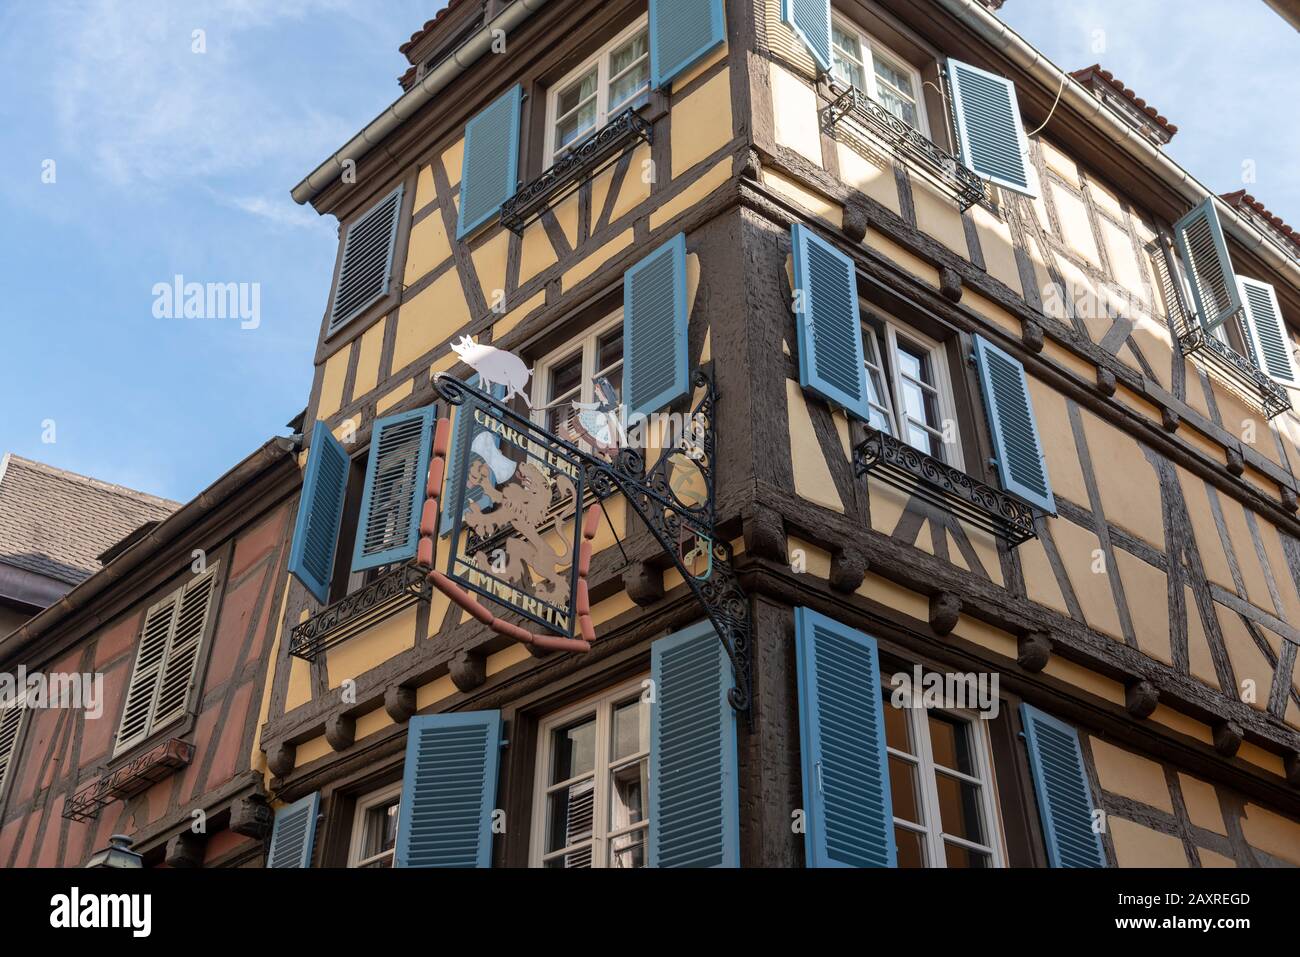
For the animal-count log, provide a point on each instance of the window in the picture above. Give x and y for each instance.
(586, 371)
(861, 62)
(615, 79)
(11, 720)
(940, 779)
(365, 274)
(166, 661)
(374, 828)
(591, 805)
(909, 392)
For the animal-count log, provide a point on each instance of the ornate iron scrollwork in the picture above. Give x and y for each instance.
(574, 167)
(912, 472)
(382, 598)
(673, 514)
(1233, 369)
(854, 118)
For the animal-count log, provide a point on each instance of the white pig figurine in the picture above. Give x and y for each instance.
(495, 367)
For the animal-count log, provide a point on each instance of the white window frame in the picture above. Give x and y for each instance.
(874, 49)
(893, 376)
(925, 766)
(600, 62)
(365, 804)
(602, 706)
(589, 342)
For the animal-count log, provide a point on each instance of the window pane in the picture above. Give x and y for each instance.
(575, 125)
(628, 850)
(959, 808)
(629, 69)
(894, 93)
(575, 750)
(962, 857)
(380, 830)
(911, 847)
(898, 726)
(631, 728)
(609, 349)
(950, 741)
(578, 92)
(846, 59)
(628, 787)
(904, 787)
(578, 858)
(571, 815)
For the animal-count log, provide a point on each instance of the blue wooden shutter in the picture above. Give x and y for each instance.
(811, 22)
(1016, 444)
(366, 271)
(681, 32)
(320, 511)
(655, 329)
(490, 168)
(1209, 268)
(294, 833)
(388, 529)
(846, 799)
(694, 805)
(1269, 338)
(449, 790)
(828, 322)
(1064, 798)
(461, 437)
(990, 136)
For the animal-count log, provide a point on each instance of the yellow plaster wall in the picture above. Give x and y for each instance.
(369, 351)
(536, 252)
(876, 180)
(998, 248)
(451, 162)
(1202, 802)
(701, 123)
(1076, 546)
(394, 396)
(812, 476)
(430, 318)
(794, 114)
(1140, 846)
(903, 258)
(1076, 230)
(1057, 437)
(1131, 775)
(1200, 663)
(813, 202)
(1209, 546)
(1127, 482)
(332, 380)
(429, 247)
(816, 561)
(371, 648)
(511, 319)
(706, 183)
(597, 258)
(938, 217)
(894, 596)
(1146, 589)
(1085, 679)
(1248, 662)
(1272, 833)
(490, 266)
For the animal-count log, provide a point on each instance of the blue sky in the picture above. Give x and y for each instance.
(169, 161)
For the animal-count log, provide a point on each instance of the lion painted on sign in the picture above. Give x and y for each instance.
(523, 505)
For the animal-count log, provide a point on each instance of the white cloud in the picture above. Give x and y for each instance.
(128, 87)
(281, 213)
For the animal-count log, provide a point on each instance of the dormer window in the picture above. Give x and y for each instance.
(614, 79)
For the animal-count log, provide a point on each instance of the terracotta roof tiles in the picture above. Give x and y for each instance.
(1096, 70)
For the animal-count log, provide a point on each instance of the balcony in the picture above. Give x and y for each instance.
(348, 617)
(863, 125)
(141, 773)
(1231, 369)
(582, 162)
(914, 473)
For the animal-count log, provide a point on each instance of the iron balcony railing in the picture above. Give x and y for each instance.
(366, 607)
(913, 472)
(862, 124)
(580, 163)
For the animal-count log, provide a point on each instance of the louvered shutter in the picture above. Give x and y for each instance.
(449, 790)
(655, 329)
(490, 169)
(294, 833)
(811, 22)
(11, 720)
(1268, 333)
(694, 806)
(846, 798)
(149, 660)
(365, 274)
(828, 323)
(1209, 268)
(462, 435)
(1016, 444)
(990, 136)
(1064, 798)
(320, 513)
(681, 32)
(389, 526)
(183, 650)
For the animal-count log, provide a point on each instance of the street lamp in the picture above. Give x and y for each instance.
(117, 854)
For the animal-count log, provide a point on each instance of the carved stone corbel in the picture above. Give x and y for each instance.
(1141, 698)
(282, 759)
(1033, 651)
(1227, 738)
(340, 731)
(1106, 383)
(855, 222)
(251, 816)
(945, 609)
(186, 849)
(468, 669)
(1031, 334)
(1236, 464)
(643, 583)
(848, 570)
(949, 284)
(399, 702)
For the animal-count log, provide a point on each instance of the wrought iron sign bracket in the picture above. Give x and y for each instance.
(675, 515)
